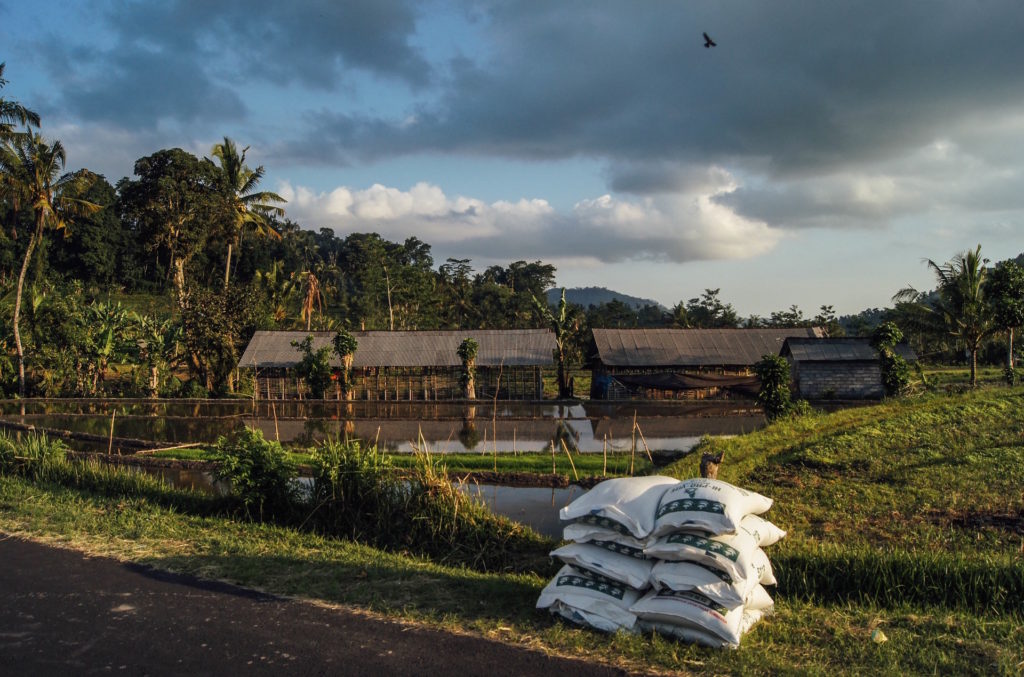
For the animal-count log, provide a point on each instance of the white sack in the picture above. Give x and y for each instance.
(703, 578)
(713, 506)
(698, 618)
(763, 531)
(583, 599)
(608, 560)
(737, 555)
(626, 504)
(581, 532)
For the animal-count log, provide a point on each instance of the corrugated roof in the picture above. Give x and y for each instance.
(691, 347)
(509, 347)
(840, 350)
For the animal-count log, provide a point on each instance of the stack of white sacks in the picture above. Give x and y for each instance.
(684, 559)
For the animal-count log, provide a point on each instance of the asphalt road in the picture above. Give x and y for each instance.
(65, 613)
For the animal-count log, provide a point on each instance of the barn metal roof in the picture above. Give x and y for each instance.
(692, 347)
(839, 350)
(508, 347)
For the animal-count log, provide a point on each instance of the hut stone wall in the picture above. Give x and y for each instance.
(839, 380)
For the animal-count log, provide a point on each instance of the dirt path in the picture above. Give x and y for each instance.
(62, 612)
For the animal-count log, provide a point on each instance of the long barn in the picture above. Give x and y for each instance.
(409, 365)
(683, 363)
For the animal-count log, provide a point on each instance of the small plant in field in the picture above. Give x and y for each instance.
(774, 396)
(260, 472)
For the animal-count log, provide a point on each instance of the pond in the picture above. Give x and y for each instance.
(400, 426)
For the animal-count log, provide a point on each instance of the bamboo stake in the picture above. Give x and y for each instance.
(646, 448)
(553, 471)
(604, 470)
(571, 464)
(110, 444)
(632, 451)
(277, 431)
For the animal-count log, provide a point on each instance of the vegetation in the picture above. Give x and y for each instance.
(774, 395)
(895, 370)
(902, 517)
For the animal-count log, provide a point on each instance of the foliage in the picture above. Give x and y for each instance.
(1005, 292)
(358, 494)
(774, 395)
(13, 113)
(467, 351)
(960, 301)
(566, 325)
(261, 475)
(314, 366)
(895, 370)
(32, 457)
(344, 346)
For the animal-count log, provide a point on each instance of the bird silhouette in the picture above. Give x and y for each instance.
(708, 42)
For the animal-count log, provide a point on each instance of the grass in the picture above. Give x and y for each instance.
(906, 517)
(590, 464)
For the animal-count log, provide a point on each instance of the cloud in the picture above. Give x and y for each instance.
(677, 227)
(188, 62)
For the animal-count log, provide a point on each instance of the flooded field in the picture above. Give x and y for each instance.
(399, 427)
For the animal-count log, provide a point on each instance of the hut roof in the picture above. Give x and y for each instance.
(845, 349)
(508, 347)
(692, 347)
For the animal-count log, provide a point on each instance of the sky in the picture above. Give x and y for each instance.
(818, 155)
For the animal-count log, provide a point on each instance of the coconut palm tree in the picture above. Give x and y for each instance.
(960, 301)
(13, 113)
(30, 175)
(247, 207)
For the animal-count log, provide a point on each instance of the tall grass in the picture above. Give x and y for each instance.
(358, 493)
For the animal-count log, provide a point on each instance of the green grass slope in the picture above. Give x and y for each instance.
(916, 501)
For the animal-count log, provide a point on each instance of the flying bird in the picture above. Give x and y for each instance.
(708, 42)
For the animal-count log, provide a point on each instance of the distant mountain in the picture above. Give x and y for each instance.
(595, 296)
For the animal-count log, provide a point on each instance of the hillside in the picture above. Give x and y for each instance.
(595, 296)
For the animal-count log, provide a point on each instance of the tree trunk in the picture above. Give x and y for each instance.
(1009, 348)
(154, 381)
(17, 304)
(974, 367)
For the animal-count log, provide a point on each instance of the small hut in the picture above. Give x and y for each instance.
(683, 363)
(837, 368)
(410, 365)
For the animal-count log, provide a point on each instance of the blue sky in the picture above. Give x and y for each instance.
(816, 156)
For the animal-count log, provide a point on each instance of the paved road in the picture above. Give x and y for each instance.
(64, 613)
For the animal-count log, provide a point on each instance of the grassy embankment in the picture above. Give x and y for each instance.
(907, 516)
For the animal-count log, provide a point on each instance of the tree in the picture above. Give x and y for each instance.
(30, 174)
(708, 312)
(170, 206)
(314, 366)
(1005, 291)
(895, 370)
(467, 353)
(13, 113)
(563, 324)
(960, 301)
(245, 205)
(773, 396)
(344, 345)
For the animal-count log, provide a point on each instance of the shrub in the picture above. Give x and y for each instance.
(895, 370)
(774, 396)
(262, 476)
(357, 493)
(314, 367)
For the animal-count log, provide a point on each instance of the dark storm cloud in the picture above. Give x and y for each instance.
(187, 60)
(797, 87)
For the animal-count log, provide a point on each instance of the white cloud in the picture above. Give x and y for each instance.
(682, 226)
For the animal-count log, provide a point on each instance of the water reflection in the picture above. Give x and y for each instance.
(401, 426)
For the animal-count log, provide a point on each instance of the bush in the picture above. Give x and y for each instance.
(314, 367)
(774, 396)
(262, 476)
(895, 370)
(357, 493)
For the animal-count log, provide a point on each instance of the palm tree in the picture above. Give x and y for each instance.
(960, 301)
(13, 113)
(563, 324)
(30, 174)
(247, 207)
